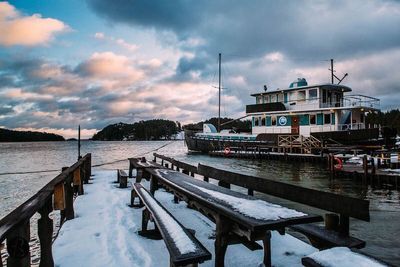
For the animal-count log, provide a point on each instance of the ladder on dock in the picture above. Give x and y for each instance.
(299, 141)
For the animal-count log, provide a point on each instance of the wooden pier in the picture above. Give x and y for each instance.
(369, 172)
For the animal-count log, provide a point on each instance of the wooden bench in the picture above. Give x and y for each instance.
(122, 178)
(233, 226)
(183, 247)
(339, 257)
(321, 237)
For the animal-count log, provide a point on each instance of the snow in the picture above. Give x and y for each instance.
(104, 233)
(343, 257)
(391, 170)
(257, 209)
(181, 240)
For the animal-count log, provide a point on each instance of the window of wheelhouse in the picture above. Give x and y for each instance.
(266, 99)
(301, 95)
(258, 99)
(280, 97)
(273, 98)
(313, 93)
(313, 119)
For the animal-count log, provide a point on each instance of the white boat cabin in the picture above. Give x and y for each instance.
(303, 109)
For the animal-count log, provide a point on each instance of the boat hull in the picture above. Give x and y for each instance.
(348, 138)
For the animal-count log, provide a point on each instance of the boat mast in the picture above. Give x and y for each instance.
(219, 92)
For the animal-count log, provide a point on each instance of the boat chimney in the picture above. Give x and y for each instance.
(265, 88)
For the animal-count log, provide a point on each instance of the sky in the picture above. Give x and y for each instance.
(96, 62)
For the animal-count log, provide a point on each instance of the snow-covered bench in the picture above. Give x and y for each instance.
(183, 247)
(336, 231)
(122, 178)
(340, 257)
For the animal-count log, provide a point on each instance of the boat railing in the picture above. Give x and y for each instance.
(354, 101)
(351, 126)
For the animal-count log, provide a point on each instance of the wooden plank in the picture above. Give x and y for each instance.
(352, 207)
(77, 177)
(59, 197)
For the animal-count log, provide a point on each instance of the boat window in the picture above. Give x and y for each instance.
(324, 96)
(273, 120)
(301, 95)
(291, 96)
(262, 121)
(273, 98)
(327, 118)
(266, 99)
(313, 93)
(255, 121)
(259, 99)
(312, 119)
(362, 117)
(280, 97)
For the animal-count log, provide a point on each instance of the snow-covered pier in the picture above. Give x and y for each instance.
(102, 227)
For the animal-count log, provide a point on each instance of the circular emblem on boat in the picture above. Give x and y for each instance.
(282, 120)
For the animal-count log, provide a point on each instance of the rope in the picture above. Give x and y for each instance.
(94, 166)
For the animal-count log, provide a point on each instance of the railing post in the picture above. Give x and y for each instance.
(18, 246)
(45, 233)
(1, 248)
(69, 213)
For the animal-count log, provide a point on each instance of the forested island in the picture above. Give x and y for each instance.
(157, 129)
(27, 136)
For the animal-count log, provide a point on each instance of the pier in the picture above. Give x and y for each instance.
(218, 211)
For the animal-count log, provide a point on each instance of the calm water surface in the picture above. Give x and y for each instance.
(381, 233)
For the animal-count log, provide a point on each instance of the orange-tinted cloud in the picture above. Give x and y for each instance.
(17, 29)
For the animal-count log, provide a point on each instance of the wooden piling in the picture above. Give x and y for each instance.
(18, 246)
(45, 233)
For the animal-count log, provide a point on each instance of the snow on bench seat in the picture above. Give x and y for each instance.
(339, 257)
(183, 247)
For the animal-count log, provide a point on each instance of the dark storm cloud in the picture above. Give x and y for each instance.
(302, 29)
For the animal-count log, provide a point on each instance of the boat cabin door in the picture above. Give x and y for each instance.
(295, 125)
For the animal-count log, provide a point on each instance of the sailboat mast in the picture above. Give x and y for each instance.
(219, 92)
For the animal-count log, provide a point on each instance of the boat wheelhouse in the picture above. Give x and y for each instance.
(307, 110)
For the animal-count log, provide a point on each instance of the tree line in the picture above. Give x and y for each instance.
(157, 129)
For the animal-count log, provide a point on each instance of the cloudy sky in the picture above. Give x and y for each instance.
(96, 62)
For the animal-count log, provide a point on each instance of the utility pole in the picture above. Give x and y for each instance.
(219, 92)
(332, 70)
(79, 142)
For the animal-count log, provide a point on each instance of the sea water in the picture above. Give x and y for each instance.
(380, 234)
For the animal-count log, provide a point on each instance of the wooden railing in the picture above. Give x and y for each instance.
(58, 194)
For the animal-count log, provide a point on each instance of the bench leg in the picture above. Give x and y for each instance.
(153, 185)
(145, 219)
(133, 196)
(267, 249)
(139, 174)
(130, 170)
(221, 241)
(123, 181)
